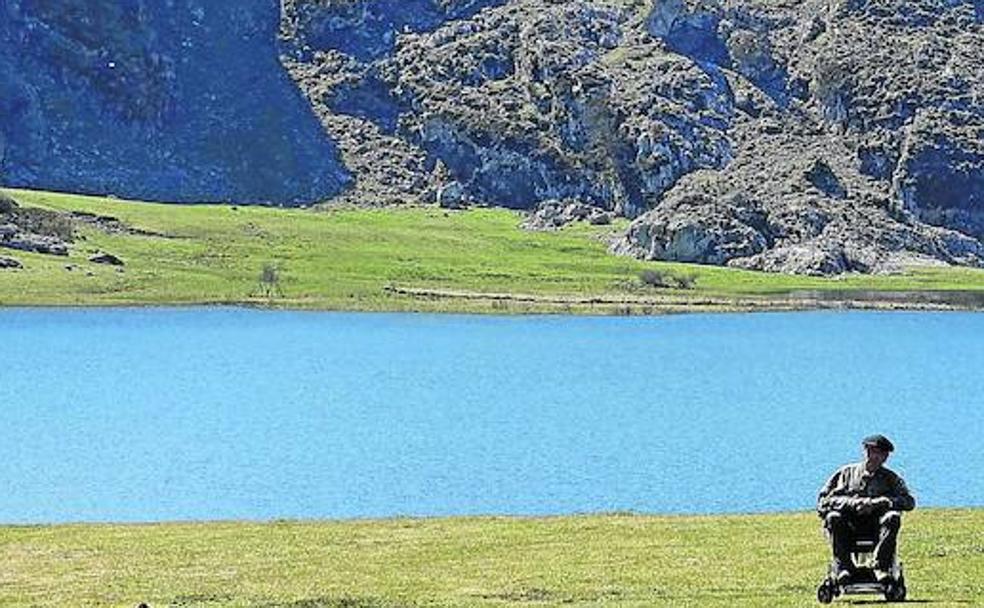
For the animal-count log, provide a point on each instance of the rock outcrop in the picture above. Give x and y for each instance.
(554, 214)
(859, 138)
(106, 258)
(9, 263)
(33, 230)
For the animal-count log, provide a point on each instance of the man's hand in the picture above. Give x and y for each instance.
(867, 506)
(882, 503)
(864, 506)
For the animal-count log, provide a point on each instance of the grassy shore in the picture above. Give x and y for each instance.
(413, 258)
(603, 560)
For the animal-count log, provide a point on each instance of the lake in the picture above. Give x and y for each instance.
(203, 413)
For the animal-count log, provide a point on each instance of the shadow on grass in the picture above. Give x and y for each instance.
(335, 602)
(532, 594)
(908, 601)
(198, 600)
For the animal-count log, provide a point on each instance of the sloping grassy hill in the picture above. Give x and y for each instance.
(612, 560)
(389, 259)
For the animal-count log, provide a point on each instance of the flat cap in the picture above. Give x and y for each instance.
(879, 441)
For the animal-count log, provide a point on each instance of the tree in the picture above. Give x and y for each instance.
(270, 281)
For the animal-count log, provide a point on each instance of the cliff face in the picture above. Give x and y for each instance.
(523, 102)
(814, 136)
(859, 140)
(178, 100)
(817, 137)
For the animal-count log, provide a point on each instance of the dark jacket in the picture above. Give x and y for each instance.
(853, 481)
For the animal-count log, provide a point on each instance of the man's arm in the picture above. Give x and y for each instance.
(831, 497)
(901, 499)
(896, 498)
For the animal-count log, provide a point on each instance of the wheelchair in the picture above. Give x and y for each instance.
(862, 579)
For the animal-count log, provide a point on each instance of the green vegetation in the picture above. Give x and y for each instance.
(604, 560)
(414, 258)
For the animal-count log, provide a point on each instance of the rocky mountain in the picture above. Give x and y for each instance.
(810, 136)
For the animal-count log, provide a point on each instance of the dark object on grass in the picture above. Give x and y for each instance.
(106, 258)
(32, 229)
(9, 263)
(554, 214)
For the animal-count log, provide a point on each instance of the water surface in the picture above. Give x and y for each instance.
(162, 414)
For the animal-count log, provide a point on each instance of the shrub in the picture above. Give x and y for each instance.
(656, 278)
(664, 278)
(270, 280)
(686, 281)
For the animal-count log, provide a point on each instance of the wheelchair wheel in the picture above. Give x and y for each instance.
(896, 592)
(825, 592)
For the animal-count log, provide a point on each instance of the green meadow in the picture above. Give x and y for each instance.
(413, 258)
(595, 560)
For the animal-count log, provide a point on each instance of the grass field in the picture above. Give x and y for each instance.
(364, 259)
(598, 560)
(413, 258)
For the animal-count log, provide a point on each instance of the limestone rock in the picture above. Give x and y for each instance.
(555, 214)
(106, 258)
(452, 196)
(32, 229)
(698, 228)
(22, 241)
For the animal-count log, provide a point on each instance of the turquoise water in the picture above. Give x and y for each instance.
(145, 415)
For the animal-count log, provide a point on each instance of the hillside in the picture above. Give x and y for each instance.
(816, 137)
(78, 250)
(767, 561)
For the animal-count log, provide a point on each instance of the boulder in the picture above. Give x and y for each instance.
(452, 195)
(553, 214)
(106, 258)
(6, 263)
(24, 241)
(600, 218)
(33, 229)
(698, 228)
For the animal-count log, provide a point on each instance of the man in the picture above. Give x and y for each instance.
(865, 497)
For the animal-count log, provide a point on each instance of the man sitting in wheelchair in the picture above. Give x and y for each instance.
(864, 502)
